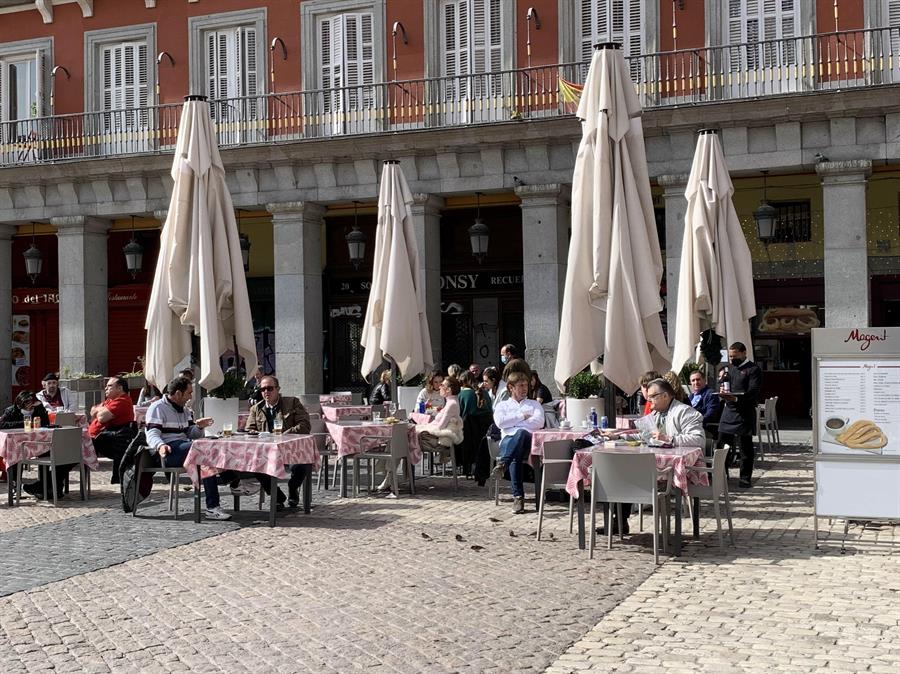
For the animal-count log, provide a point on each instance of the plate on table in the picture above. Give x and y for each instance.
(265, 435)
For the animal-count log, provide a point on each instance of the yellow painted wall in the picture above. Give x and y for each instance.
(882, 217)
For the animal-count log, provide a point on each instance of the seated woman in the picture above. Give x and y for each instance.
(149, 394)
(675, 382)
(382, 392)
(539, 390)
(430, 395)
(491, 382)
(477, 415)
(446, 430)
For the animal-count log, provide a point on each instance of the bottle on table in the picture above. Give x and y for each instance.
(593, 418)
(604, 423)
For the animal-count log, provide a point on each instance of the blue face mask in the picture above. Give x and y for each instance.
(504, 359)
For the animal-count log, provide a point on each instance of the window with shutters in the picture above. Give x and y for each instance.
(619, 21)
(124, 85)
(759, 29)
(891, 19)
(347, 61)
(23, 80)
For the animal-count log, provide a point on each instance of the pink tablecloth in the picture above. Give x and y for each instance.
(336, 398)
(347, 438)
(626, 421)
(538, 438)
(420, 417)
(16, 445)
(251, 454)
(337, 412)
(679, 458)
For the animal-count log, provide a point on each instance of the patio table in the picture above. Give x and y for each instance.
(626, 421)
(337, 412)
(251, 454)
(17, 445)
(348, 441)
(335, 397)
(679, 459)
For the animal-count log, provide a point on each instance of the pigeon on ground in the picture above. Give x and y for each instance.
(512, 534)
(459, 538)
(426, 536)
(476, 548)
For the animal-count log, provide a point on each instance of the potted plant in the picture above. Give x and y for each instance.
(135, 378)
(81, 381)
(582, 393)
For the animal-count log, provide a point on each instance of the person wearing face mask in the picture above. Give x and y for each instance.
(738, 421)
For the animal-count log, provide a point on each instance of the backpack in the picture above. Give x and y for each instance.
(136, 450)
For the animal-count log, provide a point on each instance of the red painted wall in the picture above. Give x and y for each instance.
(850, 15)
(690, 22)
(410, 64)
(544, 42)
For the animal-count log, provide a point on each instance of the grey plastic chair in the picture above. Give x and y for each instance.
(716, 490)
(555, 468)
(65, 419)
(393, 450)
(311, 403)
(626, 477)
(174, 472)
(494, 451)
(441, 452)
(64, 448)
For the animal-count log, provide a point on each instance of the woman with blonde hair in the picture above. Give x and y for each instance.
(382, 392)
(675, 382)
(430, 395)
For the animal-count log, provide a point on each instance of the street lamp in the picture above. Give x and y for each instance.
(356, 240)
(33, 259)
(479, 233)
(134, 254)
(766, 217)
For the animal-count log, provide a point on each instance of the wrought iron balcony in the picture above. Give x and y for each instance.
(822, 62)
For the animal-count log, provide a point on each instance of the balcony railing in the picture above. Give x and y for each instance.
(822, 62)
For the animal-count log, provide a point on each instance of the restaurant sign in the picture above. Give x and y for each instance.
(25, 299)
(478, 282)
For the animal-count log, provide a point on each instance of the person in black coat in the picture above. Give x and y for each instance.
(738, 421)
(26, 403)
(382, 392)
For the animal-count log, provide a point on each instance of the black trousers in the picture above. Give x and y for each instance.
(748, 452)
(113, 448)
(298, 474)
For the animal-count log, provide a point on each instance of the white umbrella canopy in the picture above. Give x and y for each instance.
(611, 302)
(715, 282)
(199, 286)
(396, 325)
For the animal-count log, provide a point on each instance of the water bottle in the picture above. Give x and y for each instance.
(593, 418)
(421, 407)
(604, 423)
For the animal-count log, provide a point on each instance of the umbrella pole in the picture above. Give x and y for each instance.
(393, 379)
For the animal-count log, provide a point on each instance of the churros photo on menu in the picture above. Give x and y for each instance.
(862, 434)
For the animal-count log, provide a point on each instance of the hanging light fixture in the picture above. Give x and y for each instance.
(766, 217)
(134, 254)
(33, 259)
(479, 234)
(356, 240)
(245, 244)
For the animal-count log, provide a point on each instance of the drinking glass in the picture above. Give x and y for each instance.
(392, 408)
(26, 422)
(376, 417)
(227, 430)
(277, 426)
(52, 417)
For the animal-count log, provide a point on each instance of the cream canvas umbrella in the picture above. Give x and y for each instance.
(395, 326)
(199, 286)
(611, 302)
(715, 281)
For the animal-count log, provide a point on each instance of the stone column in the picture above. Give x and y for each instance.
(426, 212)
(6, 234)
(83, 296)
(299, 347)
(676, 205)
(846, 257)
(545, 245)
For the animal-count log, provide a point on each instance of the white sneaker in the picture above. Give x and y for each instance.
(217, 514)
(246, 488)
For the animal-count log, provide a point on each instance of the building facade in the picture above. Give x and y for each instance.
(475, 98)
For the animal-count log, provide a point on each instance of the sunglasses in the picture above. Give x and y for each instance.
(266, 388)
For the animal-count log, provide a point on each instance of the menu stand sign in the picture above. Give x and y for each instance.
(856, 423)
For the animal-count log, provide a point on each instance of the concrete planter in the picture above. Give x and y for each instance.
(406, 397)
(84, 384)
(135, 383)
(577, 409)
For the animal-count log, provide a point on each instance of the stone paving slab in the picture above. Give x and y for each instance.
(352, 586)
(771, 603)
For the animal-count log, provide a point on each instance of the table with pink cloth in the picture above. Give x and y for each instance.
(347, 439)
(626, 421)
(344, 397)
(538, 438)
(338, 412)
(677, 458)
(420, 417)
(140, 413)
(251, 454)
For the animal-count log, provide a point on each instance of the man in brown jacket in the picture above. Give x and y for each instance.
(294, 419)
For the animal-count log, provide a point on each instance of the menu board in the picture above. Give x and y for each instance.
(21, 350)
(858, 410)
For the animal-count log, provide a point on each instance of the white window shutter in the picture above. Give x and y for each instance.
(4, 94)
(40, 106)
(892, 12)
(613, 21)
(248, 75)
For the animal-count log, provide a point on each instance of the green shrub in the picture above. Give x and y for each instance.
(584, 385)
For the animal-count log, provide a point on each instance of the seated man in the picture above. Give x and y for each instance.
(294, 419)
(53, 396)
(14, 417)
(704, 400)
(517, 418)
(111, 426)
(170, 430)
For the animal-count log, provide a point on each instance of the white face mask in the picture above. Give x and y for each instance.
(504, 359)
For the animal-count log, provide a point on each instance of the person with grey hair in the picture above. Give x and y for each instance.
(676, 423)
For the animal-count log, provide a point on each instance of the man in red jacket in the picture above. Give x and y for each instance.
(110, 427)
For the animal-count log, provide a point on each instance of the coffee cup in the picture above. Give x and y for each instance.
(836, 425)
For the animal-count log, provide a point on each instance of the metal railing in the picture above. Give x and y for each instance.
(821, 62)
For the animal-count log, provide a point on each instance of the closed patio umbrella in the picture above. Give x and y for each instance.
(199, 286)
(715, 281)
(611, 302)
(395, 325)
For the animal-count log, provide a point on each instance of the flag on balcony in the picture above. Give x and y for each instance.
(570, 92)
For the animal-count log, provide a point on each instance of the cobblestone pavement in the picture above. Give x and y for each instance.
(772, 603)
(353, 585)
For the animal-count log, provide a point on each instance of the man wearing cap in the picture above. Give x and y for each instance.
(53, 396)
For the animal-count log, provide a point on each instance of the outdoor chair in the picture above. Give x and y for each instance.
(452, 457)
(627, 477)
(494, 450)
(144, 460)
(555, 468)
(311, 403)
(64, 448)
(65, 419)
(716, 491)
(767, 420)
(392, 450)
